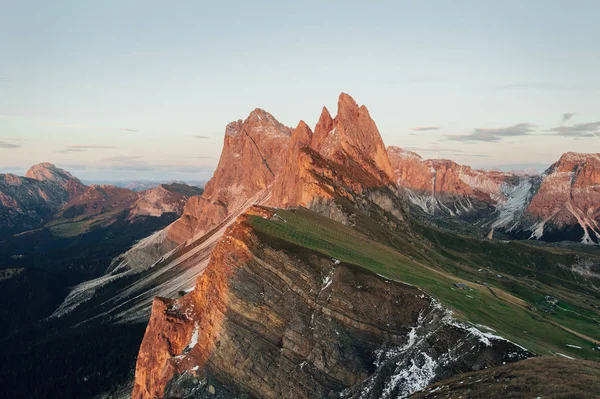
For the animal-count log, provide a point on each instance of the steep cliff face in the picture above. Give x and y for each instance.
(343, 160)
(567, 203)
(441, 186)
(352, 136)
(254, 152)
(26, 202)
(271, 320)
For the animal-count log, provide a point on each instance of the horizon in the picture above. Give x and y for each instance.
(144, 91)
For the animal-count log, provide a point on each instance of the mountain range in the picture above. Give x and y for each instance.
(319, 263)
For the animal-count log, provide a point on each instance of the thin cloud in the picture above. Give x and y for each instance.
(91, 146)
(201, 137)
(70, 150)
(446, 152)
(567, 116)
(4, 144)
(425, 128)
(131, 130)
(578, 130)
(494, 134)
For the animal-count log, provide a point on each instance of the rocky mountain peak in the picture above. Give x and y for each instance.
(355, 136)
(322, 129)
(47, 172)
(301, 136)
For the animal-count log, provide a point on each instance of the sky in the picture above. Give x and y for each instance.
(124, 90)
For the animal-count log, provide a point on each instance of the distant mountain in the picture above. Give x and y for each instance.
(562, 204)
(26, 202)
(143, 185)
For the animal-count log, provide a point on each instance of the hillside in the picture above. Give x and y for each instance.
(533, 378)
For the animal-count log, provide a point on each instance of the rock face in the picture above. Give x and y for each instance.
(561, 204)
(344, 158)
(567, 203)
(444, 187)
(26, 202)
(166, 198)
(270, 321)
(254, 152)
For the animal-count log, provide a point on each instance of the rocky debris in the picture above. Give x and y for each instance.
(271, 321)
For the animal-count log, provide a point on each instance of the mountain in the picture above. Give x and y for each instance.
(314, 293)
(305, 270)
(567, 202)
(26, 202)
(559, 205)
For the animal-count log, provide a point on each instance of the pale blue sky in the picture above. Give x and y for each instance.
(118, 89)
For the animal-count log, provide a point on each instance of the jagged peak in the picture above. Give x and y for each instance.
(302, 135)
(259, 121)
(347, 107)
(322, 129)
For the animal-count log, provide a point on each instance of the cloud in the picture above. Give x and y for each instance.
(567, 116)
(201, 137)
(70, 150)
(4, 144)
(131, 130)
(437, 151)
(127, 163)
(90, 146)
(578, 130)
(494, 134)
(425, 128)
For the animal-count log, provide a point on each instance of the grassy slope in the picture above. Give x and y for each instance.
(415, 261)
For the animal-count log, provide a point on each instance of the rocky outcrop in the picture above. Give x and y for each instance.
(166, 198)
(268, 320)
